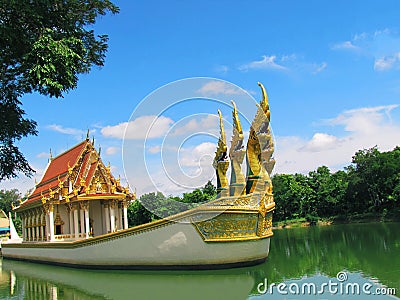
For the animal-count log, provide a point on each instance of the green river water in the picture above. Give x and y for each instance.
(352, 261)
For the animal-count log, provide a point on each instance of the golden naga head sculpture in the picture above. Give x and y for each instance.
(220, 154)
(259, 151)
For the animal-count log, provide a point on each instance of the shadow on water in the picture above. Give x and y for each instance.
(371, 250)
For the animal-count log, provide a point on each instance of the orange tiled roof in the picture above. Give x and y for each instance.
(57, 169)
(83, 160)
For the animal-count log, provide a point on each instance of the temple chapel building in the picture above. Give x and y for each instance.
(77, 198)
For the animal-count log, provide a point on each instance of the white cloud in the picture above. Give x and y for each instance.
(222, 69)
(290, 62)
(154, 149)
(112, 150)
(65, 130)
(267, 62)
(144, 127)
(321, 142)
(387, 62)
(43, 155)
(23, 183)
(219, 88)
(195, 156)
(209, 124)
(347, 45)
(363, 128)
(381, 45)
(319, 68)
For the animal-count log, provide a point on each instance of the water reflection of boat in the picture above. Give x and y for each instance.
(77, 214)
(37, 281)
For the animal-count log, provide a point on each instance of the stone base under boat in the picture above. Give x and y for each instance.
(163, 245)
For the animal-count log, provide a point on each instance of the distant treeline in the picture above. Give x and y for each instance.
(369, 186)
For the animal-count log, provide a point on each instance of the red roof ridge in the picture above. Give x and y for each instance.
(69, 150)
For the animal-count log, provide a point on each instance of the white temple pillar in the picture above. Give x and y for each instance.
(76, 224)
(23, 219)
(41, 232)
(82, 218)
(47, 226)
(51, 224)
(87, 223)
(125, 216)
(29, 228)
(71, 223)
(107, 217)
(38, 228)
(120, 222)
(112, 218)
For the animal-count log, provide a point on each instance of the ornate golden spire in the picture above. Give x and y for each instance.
(222, 129)
(236, 154)
(260, 148)
(220, 154)
(220, 161)
(236, 120)
(264, 103)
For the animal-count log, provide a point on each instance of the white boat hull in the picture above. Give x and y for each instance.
(172, 245)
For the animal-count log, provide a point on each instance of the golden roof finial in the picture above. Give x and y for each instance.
(87, 134)
(108, 168)
(99, 150)
(60, 183)
(43, 197)
(69, 169)
(93, 140)
(51, 155)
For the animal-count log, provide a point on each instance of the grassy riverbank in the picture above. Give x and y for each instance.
(393, 216)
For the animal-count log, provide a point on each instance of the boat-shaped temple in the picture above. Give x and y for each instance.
(77, 213)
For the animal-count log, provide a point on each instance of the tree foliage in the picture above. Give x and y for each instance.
(152, 206)
(9, 198)
(44, 46)
(371, 184)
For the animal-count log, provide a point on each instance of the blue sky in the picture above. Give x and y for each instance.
(331, 69)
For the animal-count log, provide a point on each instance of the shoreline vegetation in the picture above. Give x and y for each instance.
(360, 218)
(368, 190)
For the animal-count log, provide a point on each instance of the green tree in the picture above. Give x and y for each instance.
(209, 191)
(44, 46)
(373, 179)
(291, 194)
(9, 198)
(138, 214)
